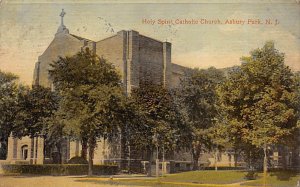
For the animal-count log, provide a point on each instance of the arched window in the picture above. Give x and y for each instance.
(24, 149)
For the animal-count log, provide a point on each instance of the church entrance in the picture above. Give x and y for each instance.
(24, 152)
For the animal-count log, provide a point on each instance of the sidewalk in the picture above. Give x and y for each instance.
(143, 177)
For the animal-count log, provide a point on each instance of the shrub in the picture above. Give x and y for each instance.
(77, 160)
(251, 175)
(105, 169)
(59, 169)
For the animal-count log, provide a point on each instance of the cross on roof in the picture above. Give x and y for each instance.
(62, 14)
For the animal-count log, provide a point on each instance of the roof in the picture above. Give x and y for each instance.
(80, 38)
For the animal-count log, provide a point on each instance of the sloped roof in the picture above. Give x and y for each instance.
(80, 38)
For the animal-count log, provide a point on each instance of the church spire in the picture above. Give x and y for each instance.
(62, 28)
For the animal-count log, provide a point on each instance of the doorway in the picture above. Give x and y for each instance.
(24, 152)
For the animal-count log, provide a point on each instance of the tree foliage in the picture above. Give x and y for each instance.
(160, 115)
(35, 106)
(24, 111)
(261, 99)
(198, 97)
(160, 124)
(8, 101)
(90, 90)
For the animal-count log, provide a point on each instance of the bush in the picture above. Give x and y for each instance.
(77, 160)
(59, 169)
(105, 169)
(251, 175)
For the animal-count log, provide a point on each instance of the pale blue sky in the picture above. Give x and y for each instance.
(28, 27)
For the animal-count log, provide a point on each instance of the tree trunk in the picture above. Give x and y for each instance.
(60, 159)
(92, 145)
(196, 154)
(3, 154)
(150, 158)
(265, 164)
(84, 148)
(91, 152)
(216, 159)
(235, 158)
(250, 160)
(283, 158)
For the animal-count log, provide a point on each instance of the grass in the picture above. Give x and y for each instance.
(206, 178)
(276, 179)
(144, 182)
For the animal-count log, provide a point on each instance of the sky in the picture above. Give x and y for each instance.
(27, 27)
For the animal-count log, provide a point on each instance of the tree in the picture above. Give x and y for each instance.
(56, 135)
(160, 122)
(8, 101)
(24, 110)
(35, 106)
(228, 134)
(90, 89)
(198, 98)
(261, 99)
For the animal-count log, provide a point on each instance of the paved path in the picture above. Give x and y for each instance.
(120, 178)
(48, 181)
(80, 181)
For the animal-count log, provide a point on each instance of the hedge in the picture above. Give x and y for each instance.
(223, 168)
(77, 160)
(59, 169)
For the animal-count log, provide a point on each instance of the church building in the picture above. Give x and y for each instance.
(138, 58)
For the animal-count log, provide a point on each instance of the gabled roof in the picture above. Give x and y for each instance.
(80, 38)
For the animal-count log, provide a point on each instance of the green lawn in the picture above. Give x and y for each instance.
(277, 179)
(204, 177)
(194, 178)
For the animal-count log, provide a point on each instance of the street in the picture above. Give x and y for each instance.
(49, 181)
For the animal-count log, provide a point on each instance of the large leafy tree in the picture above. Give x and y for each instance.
(198, 97)
(8, 100)
(261, 99)
(90, 90)
(24, 111)
(35, 106)
(231, 131)
(160, 123)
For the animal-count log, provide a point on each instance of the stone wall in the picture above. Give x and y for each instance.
(111, 49)
(34, 150)
(63, 45)
(178, 72)
(122, 50)
(138, 58)
(151, 60)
